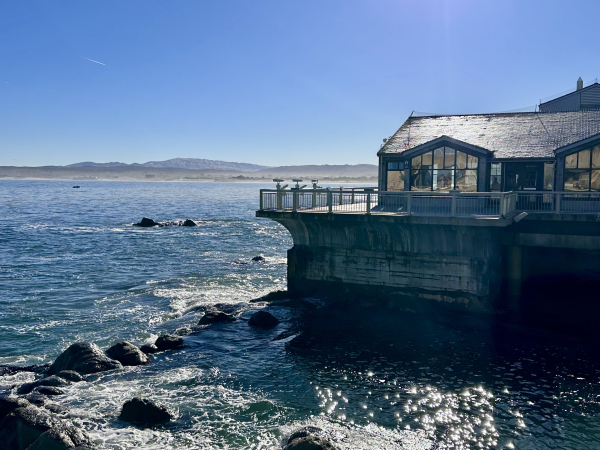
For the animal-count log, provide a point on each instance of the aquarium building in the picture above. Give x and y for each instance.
(470, 211)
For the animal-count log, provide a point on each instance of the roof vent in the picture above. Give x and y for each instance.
(579, 84)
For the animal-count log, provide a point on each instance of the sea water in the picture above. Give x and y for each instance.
(74, 268)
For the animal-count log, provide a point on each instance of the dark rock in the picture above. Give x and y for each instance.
(21, 428)
(303, 432)
(127, 354)
(258, 258)
(183, 331)
(189, 223)
(53, 381)
(48, 390)
(84, 358)
(144, 412)
(12, 369)
(70, 375)
(263, 319)
(36, 399)
(309, 443)
(146, 223)
(273, 296)
(168, 342)
(149, 348)
(216, 317)
(61, 437)
(8, 404)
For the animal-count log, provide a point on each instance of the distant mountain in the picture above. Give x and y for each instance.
(182, 163)
(204, 164)
(93, 164)
(324, 170)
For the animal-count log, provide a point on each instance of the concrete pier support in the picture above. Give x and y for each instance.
(515, 276)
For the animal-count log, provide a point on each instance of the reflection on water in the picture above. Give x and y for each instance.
(368, 378)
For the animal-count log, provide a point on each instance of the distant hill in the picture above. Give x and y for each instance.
(182, 163)
(325, 170)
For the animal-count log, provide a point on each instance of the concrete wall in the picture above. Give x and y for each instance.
(445, 262)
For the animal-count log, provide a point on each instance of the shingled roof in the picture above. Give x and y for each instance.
(508, 135)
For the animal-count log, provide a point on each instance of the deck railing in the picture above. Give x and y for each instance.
(449, 204)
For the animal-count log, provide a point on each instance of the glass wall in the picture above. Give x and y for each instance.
(582, 170)
(548, 176)
(395, 176)
(444, 169)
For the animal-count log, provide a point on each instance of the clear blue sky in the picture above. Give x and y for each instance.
(270, 82)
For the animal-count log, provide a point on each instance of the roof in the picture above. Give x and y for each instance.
(584, 98)
(508, 135)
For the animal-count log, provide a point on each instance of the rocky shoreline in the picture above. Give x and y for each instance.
(30, 420)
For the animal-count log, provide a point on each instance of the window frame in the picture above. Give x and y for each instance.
(471, 162)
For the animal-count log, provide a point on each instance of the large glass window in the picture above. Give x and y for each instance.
(444, 169)
(582, 170)
(548, 176)
(395, 176)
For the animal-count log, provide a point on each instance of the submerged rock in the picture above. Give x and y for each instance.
(304, 439)
(144, 412)
(127, 354)
(309, 443)
(148, 349)
(53, 381)
(211, 317)
(146, 223)
(84, 358)
(69, 375)
(23, 426)
(258, 258)
(168, 342)
(61, 437)
(189, 223)
(8, 404)
(48, 390)
(263, 319)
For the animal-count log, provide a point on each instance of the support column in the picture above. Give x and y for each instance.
(515, 276)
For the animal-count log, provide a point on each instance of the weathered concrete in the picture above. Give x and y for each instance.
(467, 263)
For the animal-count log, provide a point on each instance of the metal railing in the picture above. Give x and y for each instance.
(449, 204)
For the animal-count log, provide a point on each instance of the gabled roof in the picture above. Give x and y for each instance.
(508, 135)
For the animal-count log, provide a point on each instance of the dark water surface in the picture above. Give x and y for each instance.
(73, 268)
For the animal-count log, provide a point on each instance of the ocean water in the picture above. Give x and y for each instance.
(73, 268)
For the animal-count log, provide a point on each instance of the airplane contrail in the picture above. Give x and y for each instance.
(97, 62)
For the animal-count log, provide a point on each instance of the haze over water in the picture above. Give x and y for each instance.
(73, 268)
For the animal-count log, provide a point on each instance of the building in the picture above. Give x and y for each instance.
(554, 149)
(484, 212)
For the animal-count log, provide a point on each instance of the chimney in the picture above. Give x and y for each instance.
(579, 84)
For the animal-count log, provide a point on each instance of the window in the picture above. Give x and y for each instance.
(548, 176)
(395, 176)
(582, 170)
(444, 169)
(496, 177)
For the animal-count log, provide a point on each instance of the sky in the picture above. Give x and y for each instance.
(270, 82)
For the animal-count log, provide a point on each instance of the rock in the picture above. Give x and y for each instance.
(273, 296)
(258, 258)
(53, 381)
(144, 412)
(48, 390)
(36, 399)
(8, 404)
(84, 358)
(149, 348)
(70, 375)
(309, 443)
(21, 428)
(183, 331)
(189, 223)
(12, 369)
(168, 342)
(61, 437)
(303, 432)
(263, 319)
(216, 317)
(146, 223)
(127, 354)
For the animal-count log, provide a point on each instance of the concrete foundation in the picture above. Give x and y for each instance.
(419, 262)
